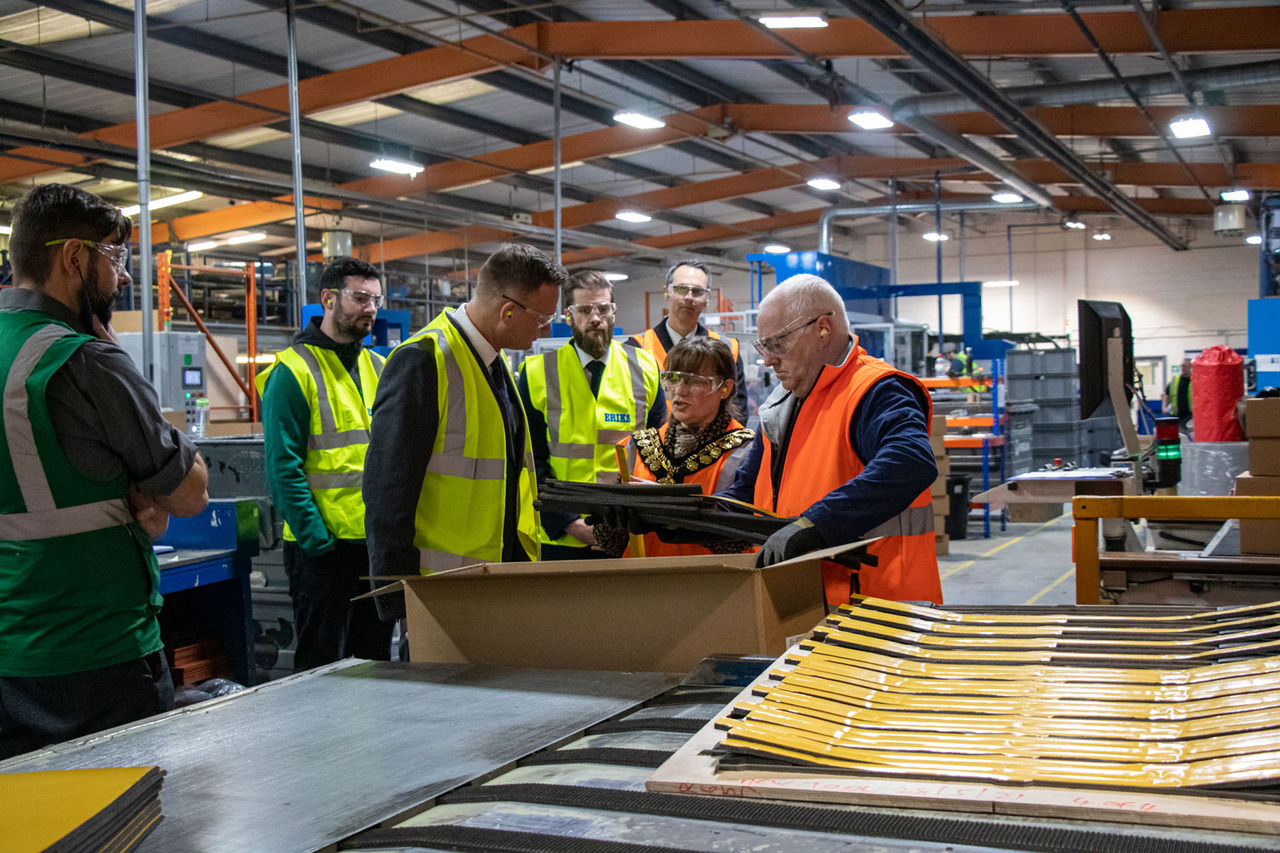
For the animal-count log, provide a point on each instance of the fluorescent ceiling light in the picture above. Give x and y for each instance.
(201, 245)
(632, 216)
(1254, 239)
(616, 276)
(1101, 235)
(253, 237)
(399, 167)
(167, 201)
(793, 22)
(1074, 225)
(1234, 195)
(6, 229)
(824, 184)
(870, 119)
(1190, 126)
(935, 237)
(640, 121)
(777, 249)
(1006, 197)
(1013, 282)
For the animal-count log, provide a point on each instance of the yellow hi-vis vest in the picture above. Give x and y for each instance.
(582, 429)
(461, 508)
(339, 433)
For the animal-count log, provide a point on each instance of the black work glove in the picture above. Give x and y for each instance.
(623, 518)
(798, 537)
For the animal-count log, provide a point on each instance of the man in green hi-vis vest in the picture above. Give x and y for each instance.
(89, 473)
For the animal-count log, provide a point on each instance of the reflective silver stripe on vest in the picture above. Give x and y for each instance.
(27, 468)
(338, 440)
(328, 424)
(438, 561)
(912, 521)
(558, 448)
(67, 521)
(335, 480)
(638, 392)
(452, 460)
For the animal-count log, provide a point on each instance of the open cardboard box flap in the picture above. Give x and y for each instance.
(655, 614)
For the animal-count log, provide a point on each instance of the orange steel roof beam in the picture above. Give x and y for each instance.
(429, 243)
(337, 88)
(1215, 30)
(233, 218)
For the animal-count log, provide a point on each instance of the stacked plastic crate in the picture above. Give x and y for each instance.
(1049, 379)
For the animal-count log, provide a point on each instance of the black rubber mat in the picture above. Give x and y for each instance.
(599, 755)
(650, 724)
(485, 840)
(868, 822)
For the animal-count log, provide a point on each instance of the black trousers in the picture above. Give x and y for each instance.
(330, 625)
(39, 710)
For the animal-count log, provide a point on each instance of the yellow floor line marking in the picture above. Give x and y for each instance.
(966, 564)
(1033, 599)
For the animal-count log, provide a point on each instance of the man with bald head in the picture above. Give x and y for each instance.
(843, 444)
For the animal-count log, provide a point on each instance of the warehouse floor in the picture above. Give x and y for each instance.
(1023, 564)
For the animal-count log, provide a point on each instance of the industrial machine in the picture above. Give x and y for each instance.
(180, 377)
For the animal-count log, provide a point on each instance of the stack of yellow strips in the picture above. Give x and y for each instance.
(887, 690)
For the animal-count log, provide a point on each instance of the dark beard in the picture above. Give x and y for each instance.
(595, 347)
(346, 326)
(92, 303)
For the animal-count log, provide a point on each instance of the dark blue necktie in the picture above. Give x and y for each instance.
(499, 373)
(595, 370)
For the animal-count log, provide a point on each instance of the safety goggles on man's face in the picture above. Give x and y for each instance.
(594, 309)
(682, 290)
(777, 343)
(364, 298)
(695, 382)
(117, 253)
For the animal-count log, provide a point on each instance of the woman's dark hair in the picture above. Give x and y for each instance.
(55, 212)
(695, 351)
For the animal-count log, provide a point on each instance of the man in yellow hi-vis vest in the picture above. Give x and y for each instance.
(316, 399)
(582, 400)
(449, 479)
(687, 293)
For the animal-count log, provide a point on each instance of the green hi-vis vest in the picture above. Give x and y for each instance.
(582, 429)
(463, 503)
(339, 432)
(79, 584)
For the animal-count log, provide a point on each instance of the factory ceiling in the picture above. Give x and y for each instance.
(1067, 103)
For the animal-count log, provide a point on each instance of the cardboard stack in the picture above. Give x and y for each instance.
(1262, 421)
(941, 501)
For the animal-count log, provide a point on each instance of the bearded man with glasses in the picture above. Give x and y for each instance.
(844, 445)
(316, 400)
(89, 474)
(688, 292)
(582, 400)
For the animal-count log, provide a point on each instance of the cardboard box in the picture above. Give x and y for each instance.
(941, 504)
(215, 429)
(939, 486)
(1258, 535)
(944, 465)
(1264, 456)
(942, 545)
(657, 614)
(939, 446)
(938, 426)
(1262, 418)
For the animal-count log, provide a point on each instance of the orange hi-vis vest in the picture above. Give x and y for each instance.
(820, 459)
(652, 344)
(708, 478)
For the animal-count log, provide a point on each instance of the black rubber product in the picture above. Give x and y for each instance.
(688, 725)
(599, 755)
(865, 822)
(487, 840)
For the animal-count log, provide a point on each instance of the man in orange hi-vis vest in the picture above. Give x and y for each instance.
(844, 445)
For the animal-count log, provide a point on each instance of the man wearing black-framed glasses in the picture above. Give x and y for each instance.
(687, 294)
(91, 472)
(844, 447)
(316, 400)
(582, 400)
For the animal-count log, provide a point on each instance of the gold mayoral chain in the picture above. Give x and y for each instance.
(656, 459)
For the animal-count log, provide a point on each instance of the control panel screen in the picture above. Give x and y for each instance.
(192, 377)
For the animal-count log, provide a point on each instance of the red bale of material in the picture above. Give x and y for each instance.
(1217, 382)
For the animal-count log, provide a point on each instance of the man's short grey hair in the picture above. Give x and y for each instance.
(691, 263)
(808, 295)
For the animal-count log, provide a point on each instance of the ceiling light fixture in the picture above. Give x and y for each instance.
(1101, 235)
(616, 276)
(870, 119)
(632, 216)
(776, 249)
(639, 121)
(935, 237)
(824, 184)
(166, 201)
(399, 167)
(201, 245)
(1074, 224)
(253, 237)
(1254, 239)
(1190, 126)
(793, 22)
(1013, 282)
(1006, 197)
(1235, 195)
(6, 229)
